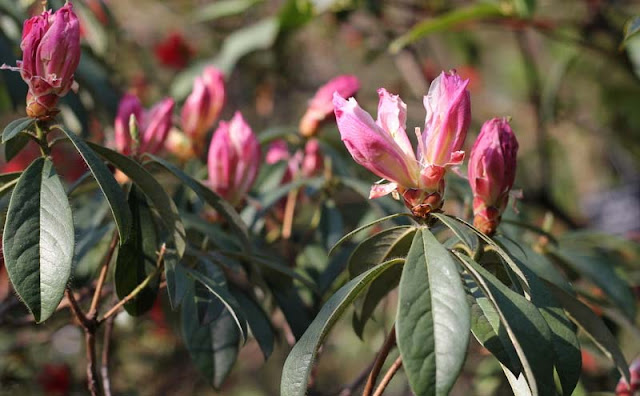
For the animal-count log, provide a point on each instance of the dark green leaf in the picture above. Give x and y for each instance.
(524, 8)
(110, 188)
(378, 289)
(459, 230)
(220, 290)
(258, 322)
(389, 243)
(451, 19)
(524, 325)
(593, 326)
(214, 347)
(38, 239)
(15, 127)
(596, 267)
(208, 196)
(292, 306)
(15, 145)
(331, 224)
(433, 319)
(137, 257)
(364, 227)
(295, 374)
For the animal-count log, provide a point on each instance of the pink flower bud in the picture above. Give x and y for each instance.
(234, 159)
(448, 116)
(313, 161)
(492, 171)
(203, 106)
(50, 55)
(153, 125)
(321, 106)
(629, 389)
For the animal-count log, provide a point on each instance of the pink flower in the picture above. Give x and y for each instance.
(50, 56)
(307, 163)
(321, 106)
(492, 171)
(203, 106)
(448, 117)
(625, 389)
(384, 148)
(153, 125)
(234, 159)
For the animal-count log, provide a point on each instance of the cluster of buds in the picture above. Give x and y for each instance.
(138, 130)
(383, 147)
(203, 106)
(233, 160)
(50, 56)
(630, 389)
(492, 171)
(320, 107)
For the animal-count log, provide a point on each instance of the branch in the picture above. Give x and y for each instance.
(93, 310)
(104, 369)
(389, 343)
(388, 376)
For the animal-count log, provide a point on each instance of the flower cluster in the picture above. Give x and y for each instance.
(383, 147)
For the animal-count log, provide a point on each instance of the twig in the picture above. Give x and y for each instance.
(289, 210)
(388, 376)
(93, 310)
(348, 390)
(139, 288)
(92, 375)
(389, 343)
(106, 344)
(77, 312)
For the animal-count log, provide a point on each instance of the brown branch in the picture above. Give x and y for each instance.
(104, 369)
(92, 375)
(389, 343)
(77, 311)
(388, 376)
(348, 390)
(93, 310)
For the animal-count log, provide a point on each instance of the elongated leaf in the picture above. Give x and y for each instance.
(213, 348)
(223, 294)
(295, 374)
(15, 127)
(210, 197)
(524, 324)
(160, 200)
(433, 319)
(453, 18)
(223, 8)
(595, 267)
(11, 177)
(292, 306)
(364, 227)
(631, 29)
(258, 322)
(137, 257)
(459, 230)
(380, 247)
(593, 326)
(15, 145)
(378, 289)
(38, 239)
(110, 188)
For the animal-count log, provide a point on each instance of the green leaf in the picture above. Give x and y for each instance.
(524, 325)
(110, 188)
(295, 374)
(38, 239)
(210, 197)
(364, 227)
(448, 21)
(378, 289)
(291, 305)
(220, 290)
(524, 8)
(223, 8)
(258, 322)
(389, 243)
(213, 348)
(166, 208)
(137, 257)
(593, 326)
(15, 127)
(433, 319)
(14, 146)
(486, 327)
(631, 29)
(597, 268)
(459, 231)
(9, 178)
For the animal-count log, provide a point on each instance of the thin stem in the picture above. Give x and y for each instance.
(77, 312)
(104, 369)
(389, 343)
(139, 288)
(289, 210)
(388, 376)
(93, 310)
(92, 375)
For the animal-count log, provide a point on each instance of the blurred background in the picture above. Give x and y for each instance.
(566, 72)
